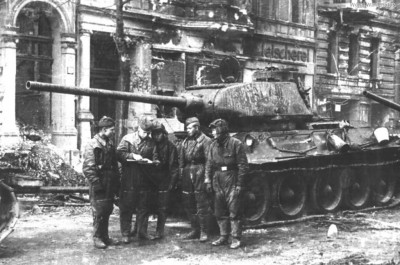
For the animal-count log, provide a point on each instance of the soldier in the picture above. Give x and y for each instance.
(134, 149)
(193, 153)
(100, 167)
(166, 172)
(226, 168)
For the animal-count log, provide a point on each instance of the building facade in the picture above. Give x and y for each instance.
(358, 49)
(172, 44)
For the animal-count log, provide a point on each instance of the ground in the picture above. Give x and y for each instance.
(62, 235)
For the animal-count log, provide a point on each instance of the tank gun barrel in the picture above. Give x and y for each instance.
(180, 102)
(382, 100)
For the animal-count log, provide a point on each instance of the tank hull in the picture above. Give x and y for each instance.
(293, 173)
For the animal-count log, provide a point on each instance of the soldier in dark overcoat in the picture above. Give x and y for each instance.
(226, 168)
(166, 173)
(134, 152)
(192, 159)
(100, 168)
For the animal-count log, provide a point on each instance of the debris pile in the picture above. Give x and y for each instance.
(38, 161)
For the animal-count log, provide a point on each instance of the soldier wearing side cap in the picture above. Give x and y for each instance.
(192, 158)
(166, 173)
(226, 168)
(100, 167)
(137, 179)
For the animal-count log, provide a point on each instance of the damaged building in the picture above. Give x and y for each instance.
(358, 49)
(172, 44)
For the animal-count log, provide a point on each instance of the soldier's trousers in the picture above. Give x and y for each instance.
(162, 205)
(227, 204)
(127, 206)
(102, 206)
(197, 208)
(146, 200)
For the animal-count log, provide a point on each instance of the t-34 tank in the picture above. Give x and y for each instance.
(296, 162)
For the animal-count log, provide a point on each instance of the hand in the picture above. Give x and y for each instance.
(209, 188)
(136, 156)
(97, 186)
(156, 162)
(238, 189)
(116, 201)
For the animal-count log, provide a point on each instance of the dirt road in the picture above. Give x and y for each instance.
(63, 236)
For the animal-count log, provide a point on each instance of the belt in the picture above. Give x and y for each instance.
(227, 168)
(196, 162)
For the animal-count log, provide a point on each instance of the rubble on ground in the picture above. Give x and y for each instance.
(38, 160)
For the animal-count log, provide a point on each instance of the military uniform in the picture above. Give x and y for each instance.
(167, 176)
(192, 158)
(100, 167)
(136, 181)
(226, 168)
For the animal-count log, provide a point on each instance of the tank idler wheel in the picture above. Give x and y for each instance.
(327, 192)
(257, 199)
(289, 194)
(384, 187)
(357, 189)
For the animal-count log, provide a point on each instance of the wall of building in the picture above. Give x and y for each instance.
(364, 59)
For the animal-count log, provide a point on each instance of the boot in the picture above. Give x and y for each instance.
(98, 243)
(236, 229)
(134, 231)
(110, 241)
(223, 231)
(203, 228)
(222, 240)
(195, 233)
(142, 220)
(235, 243)
(161, 219)
(126, 239)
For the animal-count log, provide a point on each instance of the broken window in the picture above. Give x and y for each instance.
(374, 56)
(34, 62)
(332, 66)
(104, 72)
(354, 49)
(168, 78)
(284, 10)
(297, 12)
(264, 9)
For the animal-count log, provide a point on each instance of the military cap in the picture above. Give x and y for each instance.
(158, 127)
(192, 120)
(220, 125)
(106, 122)
(145, 123)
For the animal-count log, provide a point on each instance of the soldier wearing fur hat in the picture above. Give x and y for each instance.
(226, 168)
(192, 158)
(166, 173)
(100, 167)
(135, 152)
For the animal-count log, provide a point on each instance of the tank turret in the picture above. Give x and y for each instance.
(251, 106)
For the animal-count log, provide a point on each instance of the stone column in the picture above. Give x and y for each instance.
(396, 80)
(64, 134)
(8, 64)
(84, 114)
(141, 58)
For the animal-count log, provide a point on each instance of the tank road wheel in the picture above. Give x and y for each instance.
(384, 187)
(357, 189)
(290, 195)
(257, 199)
(327, 192)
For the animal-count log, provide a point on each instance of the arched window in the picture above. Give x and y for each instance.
(34, 62)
